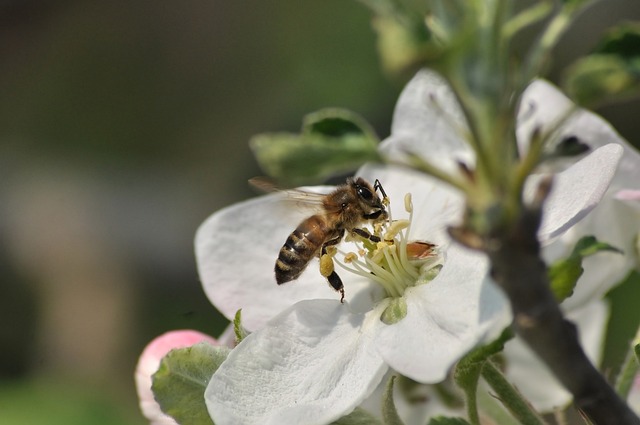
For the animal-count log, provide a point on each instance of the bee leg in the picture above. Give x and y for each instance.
(365, 234)
(327, 269)
(336, 283)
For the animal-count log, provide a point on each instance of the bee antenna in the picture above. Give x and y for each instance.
(378, 186)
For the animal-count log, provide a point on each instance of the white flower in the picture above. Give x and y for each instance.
(615, 220)
(318, 359)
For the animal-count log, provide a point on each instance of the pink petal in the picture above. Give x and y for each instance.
(149, 363)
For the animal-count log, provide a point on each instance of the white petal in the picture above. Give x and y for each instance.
(533, 378)
(543, 104)
(312, 364)
(445, 318)
(541, 107)
(577, 190)
(236, 249)
(428, 121)
(614, 222)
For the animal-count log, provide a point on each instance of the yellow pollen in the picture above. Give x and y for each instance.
(395, 228)
(326, 265)
(350, 257)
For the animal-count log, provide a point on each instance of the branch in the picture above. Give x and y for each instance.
(517, 268)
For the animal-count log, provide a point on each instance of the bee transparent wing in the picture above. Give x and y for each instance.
(302, 198)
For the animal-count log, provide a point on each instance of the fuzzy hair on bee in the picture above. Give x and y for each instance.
(349, 206)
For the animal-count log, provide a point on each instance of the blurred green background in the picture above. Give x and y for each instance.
(123, 125)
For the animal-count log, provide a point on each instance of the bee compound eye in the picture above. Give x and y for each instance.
(364, 193)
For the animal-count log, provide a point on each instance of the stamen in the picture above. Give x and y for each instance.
(390, 262)
(395, 228)
(408, 205)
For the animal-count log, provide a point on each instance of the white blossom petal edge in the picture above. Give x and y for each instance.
(314, 363)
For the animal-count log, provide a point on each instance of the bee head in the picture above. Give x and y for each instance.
(368, 199)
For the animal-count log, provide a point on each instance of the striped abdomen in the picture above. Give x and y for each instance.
(301, 246)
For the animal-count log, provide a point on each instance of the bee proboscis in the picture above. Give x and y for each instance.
(349, 206)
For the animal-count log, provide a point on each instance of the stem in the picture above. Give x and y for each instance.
(538, 57)
(526, 18)
(509, 396)
(629, 369)
(514, 252)
(472, 407)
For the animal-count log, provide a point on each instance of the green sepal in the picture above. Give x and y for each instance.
(442, 420)
(389, 412)
(611, 72)
(509, 396)
(628, 370)
(395, 311)
(468, 370)
(564, 274)
(403, 47)
(568, 147)
(358, 417)
(404, 41)
(239, 330)
(180, 382)
(332, 141)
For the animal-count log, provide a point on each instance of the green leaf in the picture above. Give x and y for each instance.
(564, 274)
(332, 141)
(182, 378)
(389, 412)
(442, 420)
(358, 417)
(612, 72)
(622, 41)
(239, 330)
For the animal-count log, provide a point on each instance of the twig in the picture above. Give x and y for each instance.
(516, 266)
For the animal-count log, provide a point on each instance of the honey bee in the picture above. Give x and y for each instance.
(350, 205)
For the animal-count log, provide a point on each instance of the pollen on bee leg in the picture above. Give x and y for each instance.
(330, 250)
(326, 265)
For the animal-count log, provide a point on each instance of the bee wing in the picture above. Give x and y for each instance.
(301, 197)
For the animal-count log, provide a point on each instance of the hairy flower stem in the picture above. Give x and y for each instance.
(509, 396)
(514, 252)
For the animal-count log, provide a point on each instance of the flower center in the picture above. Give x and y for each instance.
(395, 263)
